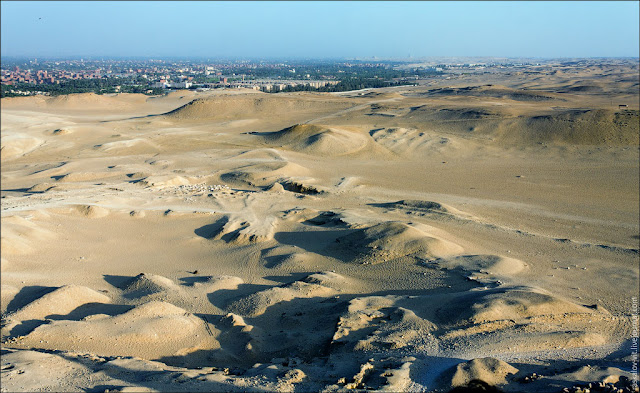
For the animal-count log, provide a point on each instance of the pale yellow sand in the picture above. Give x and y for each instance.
(385, 239)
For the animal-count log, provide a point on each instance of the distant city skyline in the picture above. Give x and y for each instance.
(297, 30)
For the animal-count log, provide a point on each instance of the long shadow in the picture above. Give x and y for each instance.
(190, 281)
(223, 297)
(85, 310)
(293, 328)
(274, 261)
(27, 295)
(119, 282)
(133, 118)
(27, 326)
(289, 278)
(319, 242)
(209, 231)
(23, 190)
(61, 164)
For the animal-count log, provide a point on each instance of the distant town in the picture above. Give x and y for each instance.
(153, 77)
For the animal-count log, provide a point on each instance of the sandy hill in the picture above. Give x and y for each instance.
(79, 102)
(494, 91)
(252, 106)
(515, 126)
(318, 139)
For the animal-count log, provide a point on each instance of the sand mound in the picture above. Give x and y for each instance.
(582, 87)
(161, 181)
(92, 101)
(149, 287)
(423, 128)
(92, 211)
(151, 330)
(407, 141)
(295, 260)
(586, 374)
(457, 114)
(7, 292)
(61, 131)
(477, 320)
(42, 187)
(253, 106)
(489, 370)
(329, 218)
(577, 127)
(275, 187)
(424, 208)
(83, 176)
(317, 140)
(216, 283)
(492, 264)
(390, 240)
(314, 285)
(248, 340)
(514, 303)
(146, 284)
(242, 229)
(137, 145)
(378, 323)
(16, 145)
(20, 236)
(390, 374)
(473, 320)
(260, 155)
(61, 301)
(264, 174)
(387, 110)
(493, 91)
(40, 371)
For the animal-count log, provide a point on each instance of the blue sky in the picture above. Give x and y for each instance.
(319, 29)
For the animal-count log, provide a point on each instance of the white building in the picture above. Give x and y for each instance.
(180, 85)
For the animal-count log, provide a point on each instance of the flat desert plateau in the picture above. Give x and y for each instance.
(400, 239)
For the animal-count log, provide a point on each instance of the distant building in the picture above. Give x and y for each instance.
(180, 85)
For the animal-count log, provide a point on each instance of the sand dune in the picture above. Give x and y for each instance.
(135, 332)
(390, 240)
(411, 238)
(317, 140)
(492, 371)
(21, 236)
(264, 173)
(493, 91)
(61, 301)
(258, 105)
(17, 145)
(315, 285)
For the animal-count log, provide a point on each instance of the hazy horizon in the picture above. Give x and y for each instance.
(443, 59)
(320, 30)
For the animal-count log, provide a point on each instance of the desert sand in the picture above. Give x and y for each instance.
(398, 239)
